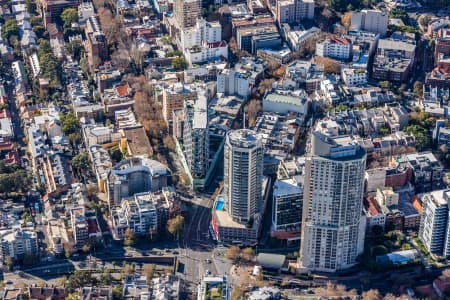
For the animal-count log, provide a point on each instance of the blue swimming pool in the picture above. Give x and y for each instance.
(220, 203)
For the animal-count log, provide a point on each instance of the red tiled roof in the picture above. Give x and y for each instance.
(251, 22)
(417, 204)
(217, 44)
(339, 40)
(123, 90)
(373, 207)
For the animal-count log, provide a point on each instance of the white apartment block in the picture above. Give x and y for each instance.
(333, 226)
(434, 230)
(335, 47)
(294, 10)
(196, 135)
(285, 9)
(18, 243)
(354, 77)
(387, 197)
(137, 213)
(203, 42)
(370, 20)
(203, 31)
(243, 173)
(206, 52)
(231, 82)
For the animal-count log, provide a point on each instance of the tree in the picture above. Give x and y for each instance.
(385, 85)
(129, 237)
(330, 66)
(149, 271)
(248, 254)
(137, 56)
(169, 143)
(383, 131)
(399, 14)
(69, 16)
(121, 57)
(127, 269)
(175, 226)
(117, 292)
(252, 110)
(80, 279)
(105, 278)
(70, 123)
(31, 7)
(418, 89)
(73, 296)
(346, 19)
(179, 63)
(233, 253)
(116, 154)
(26, 217)
(238, 293)
(75, 49)
(421, 136)
(279, 72)
(372, 294)
(80, 165)
(10, 28)
(39, 30)
(17, 181)
(424, 20)
(112, 26)
(379, 250)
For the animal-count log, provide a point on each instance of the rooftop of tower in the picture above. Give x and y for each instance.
(244, 138)
(338, 147)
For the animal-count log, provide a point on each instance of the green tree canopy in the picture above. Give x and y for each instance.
(420, 134)
(69, 16)
(39, 30)
(80, 165)
(70, 123)
(13, 179)
(50, 66)
(10, 28)
(75, 48)
(179, 63)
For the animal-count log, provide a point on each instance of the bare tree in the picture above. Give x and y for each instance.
(372, 294)
(136, 55)
(112, 26)
(252, 110)
(331, 66)
(346, 19)
(121, 57)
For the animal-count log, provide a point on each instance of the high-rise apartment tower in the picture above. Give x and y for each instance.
(243, 173)
(332, 224)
